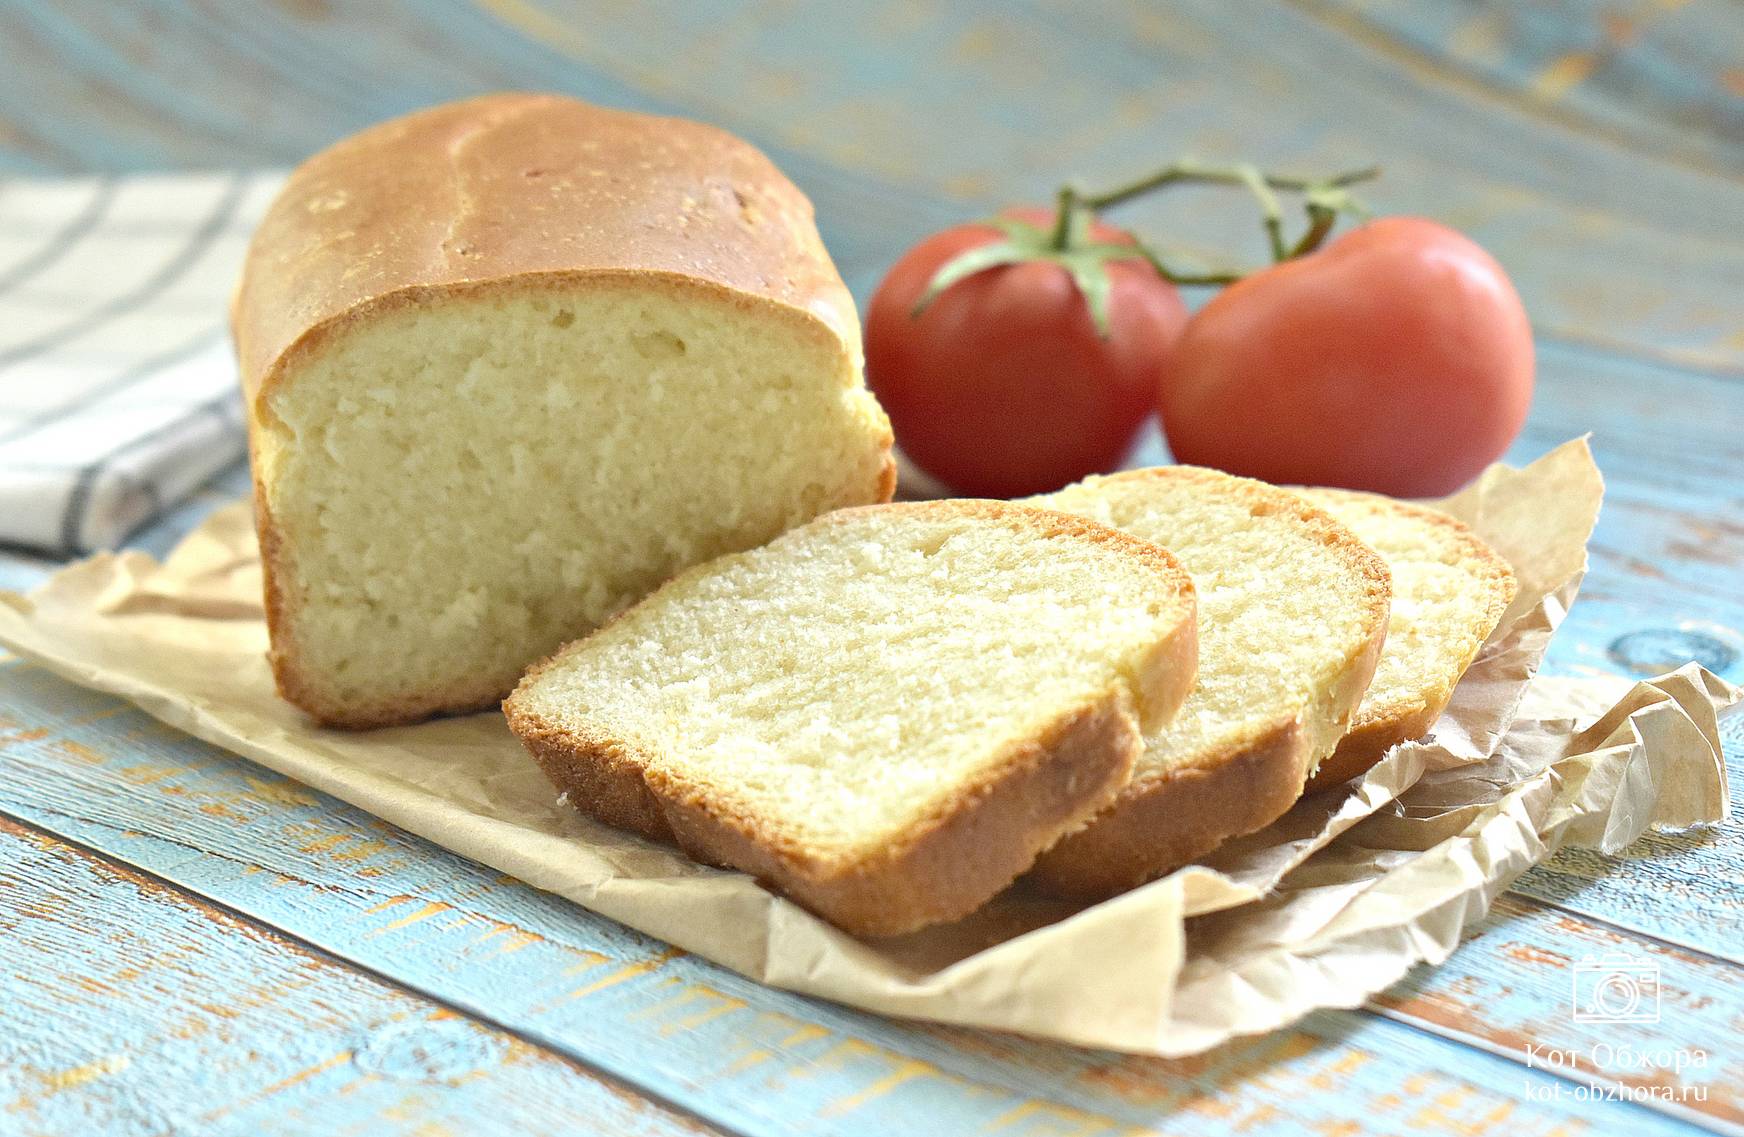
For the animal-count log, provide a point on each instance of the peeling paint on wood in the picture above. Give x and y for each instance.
(900, 118)
(1531, 991)
(132, 1011)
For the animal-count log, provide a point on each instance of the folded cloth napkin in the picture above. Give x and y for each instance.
(118, 392)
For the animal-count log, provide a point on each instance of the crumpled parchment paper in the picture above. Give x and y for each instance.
(1332, 903)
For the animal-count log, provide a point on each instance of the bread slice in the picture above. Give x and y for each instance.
(1449, 591)
(512, 362)
(885, 714)
(1292, 612)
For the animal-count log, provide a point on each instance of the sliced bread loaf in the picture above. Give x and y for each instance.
(885, 714)
(1449, 590)
(512, 362)
(1292, 611)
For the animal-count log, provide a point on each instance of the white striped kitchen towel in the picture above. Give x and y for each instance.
(118, 391)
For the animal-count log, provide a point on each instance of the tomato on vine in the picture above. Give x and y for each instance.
(1397, 359)
(1021, 353)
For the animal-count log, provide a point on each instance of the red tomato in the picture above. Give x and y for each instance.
(1002, 386)
(1396, 359)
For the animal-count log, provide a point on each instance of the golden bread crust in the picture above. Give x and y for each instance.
(958, 858)
(1162, 821)
(1377, 728)
(533, 184)
(979, 840)
(1157, 825)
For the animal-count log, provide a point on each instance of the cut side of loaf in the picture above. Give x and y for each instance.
(510, 364)
(1449, 591)
(885, 714)
(1292, 613)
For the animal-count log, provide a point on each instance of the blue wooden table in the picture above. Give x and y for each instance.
(191, 945)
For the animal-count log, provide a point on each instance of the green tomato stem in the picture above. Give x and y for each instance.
(1271, 213)
(1327, 200)
(1320, 222)
(1175, 276)
(1060, 238)
(1190, 172)
(1066, 242)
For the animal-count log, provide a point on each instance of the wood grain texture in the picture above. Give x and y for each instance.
(898, 118)
(1518, 991)
(132, 1011)
(749, 1058)
(1663, 78)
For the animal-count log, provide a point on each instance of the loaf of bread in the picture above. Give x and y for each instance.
(885, 714)
(1292, 614)
(511, 363)
(1449, 591)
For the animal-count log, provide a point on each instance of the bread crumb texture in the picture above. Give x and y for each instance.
(1449, 591)
(459, 485)
(862, 676)
(1287, 601)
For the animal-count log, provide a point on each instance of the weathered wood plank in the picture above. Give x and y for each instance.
(131, 1010)
(753, 1059)
(1668, 554)
(899, 118)
(1663, 79)
(1528, 983)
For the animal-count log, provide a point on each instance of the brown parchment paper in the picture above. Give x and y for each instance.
(1330, 904)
